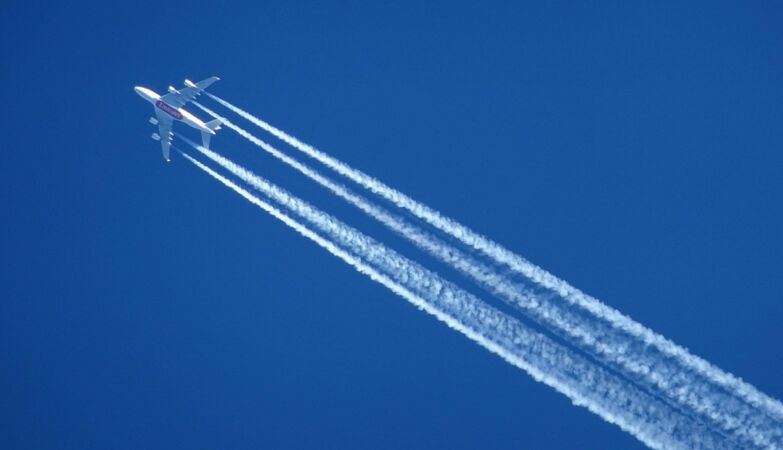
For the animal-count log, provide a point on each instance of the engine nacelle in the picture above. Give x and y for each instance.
(155, 136)
(153, 121)
(190, 84)
(172, 90)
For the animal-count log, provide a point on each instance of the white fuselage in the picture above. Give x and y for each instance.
(175, 113)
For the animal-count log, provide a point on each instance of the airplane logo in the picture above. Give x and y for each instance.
(169, 107)
(169, 110)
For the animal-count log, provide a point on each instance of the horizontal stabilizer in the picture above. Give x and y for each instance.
(214, 125)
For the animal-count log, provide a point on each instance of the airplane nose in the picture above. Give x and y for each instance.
(145, 93)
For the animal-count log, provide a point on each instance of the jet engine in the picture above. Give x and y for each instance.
(153, 121)
(155, 136)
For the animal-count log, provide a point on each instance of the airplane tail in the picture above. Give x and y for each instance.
(213, 125)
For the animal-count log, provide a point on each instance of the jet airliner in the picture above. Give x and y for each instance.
(169, 107)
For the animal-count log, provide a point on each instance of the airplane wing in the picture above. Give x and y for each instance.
(178, 98)
(164, 131)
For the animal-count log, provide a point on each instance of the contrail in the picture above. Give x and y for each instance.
(608, 344)
(647, 418)
(501, 255)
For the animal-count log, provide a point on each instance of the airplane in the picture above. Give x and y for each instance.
(169, 107)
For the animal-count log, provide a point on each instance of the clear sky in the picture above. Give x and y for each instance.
(631, 148)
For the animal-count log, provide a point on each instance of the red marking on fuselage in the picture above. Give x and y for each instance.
(168, 109)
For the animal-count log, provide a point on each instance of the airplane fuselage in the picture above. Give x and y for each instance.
(178, 114)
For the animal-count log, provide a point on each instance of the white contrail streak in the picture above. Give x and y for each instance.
(586, 384)
(501, 255)
(608, 344)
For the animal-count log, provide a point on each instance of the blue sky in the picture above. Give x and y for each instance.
(631, 149)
